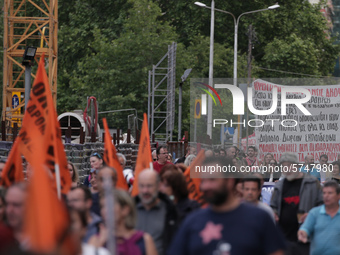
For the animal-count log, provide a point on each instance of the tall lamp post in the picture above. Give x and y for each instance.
(236, 22)
(183, 78)
(28, 61)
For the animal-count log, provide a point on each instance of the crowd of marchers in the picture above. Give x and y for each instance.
(303, 216)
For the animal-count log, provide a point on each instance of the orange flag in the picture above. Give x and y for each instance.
(144, 157)
(193, 184)
(40, 128)
(46, 219)
(111, 159)
(13, 171)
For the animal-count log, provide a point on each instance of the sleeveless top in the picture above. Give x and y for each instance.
(135, 245)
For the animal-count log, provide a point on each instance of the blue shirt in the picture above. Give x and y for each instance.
(323, 231)
(242, 231)
(313, 172)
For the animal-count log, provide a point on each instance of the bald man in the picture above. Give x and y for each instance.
(153, 208)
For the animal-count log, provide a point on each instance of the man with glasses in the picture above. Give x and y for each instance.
(162, 158)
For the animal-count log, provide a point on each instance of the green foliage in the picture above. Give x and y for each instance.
(107, 47)
(116, 70)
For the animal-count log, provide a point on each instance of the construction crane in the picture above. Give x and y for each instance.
(27, 23)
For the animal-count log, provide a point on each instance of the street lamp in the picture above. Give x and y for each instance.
(183, 78)
(236, 22)
(28, 62)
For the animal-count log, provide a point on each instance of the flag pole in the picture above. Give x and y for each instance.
(57, 179)
(110, 217)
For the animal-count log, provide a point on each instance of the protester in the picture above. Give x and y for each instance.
(173, 184)
(95, 194)
(74, 174)
(79, 230)
(251, 158)
(272, 173)
(15, 200)
(209, 153)
(322, 225)
(216, 153)
(293, 197)
(267, 158)
(189, 160)
(162, 158)
(156, 214)
(129, 240)
(226, 226)
(336, 171)
(251, 192)
(189, 150)
(80, 199)
(96, 161)
(170, 157)
(310, 168)
(127, 172)
(222, 152)
(105, 172)
(231, 152)
(154, 155)
(323, 168)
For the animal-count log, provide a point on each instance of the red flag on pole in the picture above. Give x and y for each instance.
(144, 158)
(40, 129)
(193, 184)
(111, 159)
(13, 171)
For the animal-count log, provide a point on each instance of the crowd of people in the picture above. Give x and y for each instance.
(303, 216)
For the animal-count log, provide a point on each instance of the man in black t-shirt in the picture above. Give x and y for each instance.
(293, 197)
(227, 226)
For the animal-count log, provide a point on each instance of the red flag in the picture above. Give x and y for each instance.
(144, 157)
(13, 171)
(40, 128)
(193, 184)
(111, 159)
(46, 219)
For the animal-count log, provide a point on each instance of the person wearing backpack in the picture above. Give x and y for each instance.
(129, 241)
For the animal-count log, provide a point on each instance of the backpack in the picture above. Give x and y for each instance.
(129, 246)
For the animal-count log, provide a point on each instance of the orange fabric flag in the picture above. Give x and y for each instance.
(13, 170)
(41, 116)
(144, 157)
(193, 184)
(111, 159)
(46, 219)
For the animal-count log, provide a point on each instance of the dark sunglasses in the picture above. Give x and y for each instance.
(96, 154)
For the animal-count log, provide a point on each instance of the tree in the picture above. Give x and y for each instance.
(116, 70)
(297, 22)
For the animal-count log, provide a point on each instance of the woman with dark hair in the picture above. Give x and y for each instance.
(174, 185)
(97, 162)
(74, 174)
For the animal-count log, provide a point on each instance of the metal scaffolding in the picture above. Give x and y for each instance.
(161, 99)
(25, 24)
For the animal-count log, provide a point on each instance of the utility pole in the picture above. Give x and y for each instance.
(251, 34)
